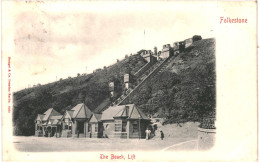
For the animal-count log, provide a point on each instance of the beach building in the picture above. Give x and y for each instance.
(95, 126)
(75, 121)
(124, 121)
(48, 124)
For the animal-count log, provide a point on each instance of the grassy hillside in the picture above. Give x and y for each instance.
(185, 90)
(91, 89)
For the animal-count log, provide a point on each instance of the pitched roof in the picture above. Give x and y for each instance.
(55, 122)
(137, 114)
(58, 117)
(48, 113)
(68, 114)
(98, 116)
(130, 111)
(39, 117)
(81, 111)
(112, 111)
(95, 117)
(119, 113)
(50, 122)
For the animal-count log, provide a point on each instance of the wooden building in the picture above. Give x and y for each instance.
(67, 124)
(48, 123)
(124, 121)
(38, 125)
(95, 126)
(75, 121)
(54, 126)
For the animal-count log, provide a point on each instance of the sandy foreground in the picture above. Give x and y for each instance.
(176, 138)
(43, 144)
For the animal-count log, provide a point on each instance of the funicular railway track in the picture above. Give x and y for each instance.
(157, 69)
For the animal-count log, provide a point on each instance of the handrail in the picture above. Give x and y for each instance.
(166, 60)
(120, 99)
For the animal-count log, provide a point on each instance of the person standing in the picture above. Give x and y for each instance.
(147, 134)
(162, 135)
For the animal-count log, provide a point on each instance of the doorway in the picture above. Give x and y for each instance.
(81, 126)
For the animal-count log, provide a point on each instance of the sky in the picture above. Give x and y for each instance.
(57, 40)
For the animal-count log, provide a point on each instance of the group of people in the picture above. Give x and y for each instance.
(148, 134)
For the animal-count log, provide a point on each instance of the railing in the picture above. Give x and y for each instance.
(156, 65)
(155, 70)
(104, 104)
(122, 96)
(143, 69)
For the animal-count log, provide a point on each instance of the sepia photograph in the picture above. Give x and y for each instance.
(121, 79)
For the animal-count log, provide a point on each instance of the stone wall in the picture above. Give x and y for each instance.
(206, 138)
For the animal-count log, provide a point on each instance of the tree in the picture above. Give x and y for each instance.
(196, 38)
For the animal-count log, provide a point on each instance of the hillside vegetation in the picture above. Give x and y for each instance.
(184, 91)
(91, 89)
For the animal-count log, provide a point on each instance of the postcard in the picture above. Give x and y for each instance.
(129, 80)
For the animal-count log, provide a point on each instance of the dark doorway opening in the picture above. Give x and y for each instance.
(81, 127)
(53, 131)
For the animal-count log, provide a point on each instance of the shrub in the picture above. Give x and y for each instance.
(196, 38)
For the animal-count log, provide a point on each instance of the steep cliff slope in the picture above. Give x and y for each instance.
(183, 91)
(186, 89)
(91, 89)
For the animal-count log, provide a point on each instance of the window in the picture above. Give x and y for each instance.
(118, 125)
(89, 127)
(96, 127)
(123, 126)
(67, 125)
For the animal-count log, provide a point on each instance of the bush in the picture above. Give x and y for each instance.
(196, 38)
(91, 89)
